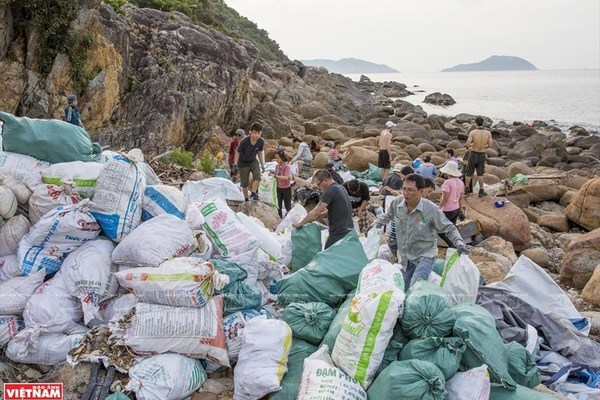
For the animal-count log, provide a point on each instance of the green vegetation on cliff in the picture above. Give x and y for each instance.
(216, 15)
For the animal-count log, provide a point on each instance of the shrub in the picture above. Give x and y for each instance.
(181, 157)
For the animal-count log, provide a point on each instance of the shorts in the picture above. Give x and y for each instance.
(383, 161)
(253, 168)
(476, 162)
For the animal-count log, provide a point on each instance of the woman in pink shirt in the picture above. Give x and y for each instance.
(453, 188)
(283, 175)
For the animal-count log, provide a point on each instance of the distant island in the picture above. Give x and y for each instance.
(495, 63)
(349, 66)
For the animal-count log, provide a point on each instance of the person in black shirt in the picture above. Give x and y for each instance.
(339, 210)
(359, 198)
(248, 155)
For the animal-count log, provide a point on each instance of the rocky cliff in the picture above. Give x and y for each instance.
(158, 81)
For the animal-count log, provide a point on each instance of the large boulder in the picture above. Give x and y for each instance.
(591, 291)
(320, 160)
(519, 168)
(358, 159)
(554, 222)
(538, 255)
(497, 245)
(583, 255)
(332, 134)
(494, 267)
(265, 213)
(508, 222)
(410, 129)
(584, 208)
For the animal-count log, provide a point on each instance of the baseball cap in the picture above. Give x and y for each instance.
(71, 98)
(389, 124)
(240, 132)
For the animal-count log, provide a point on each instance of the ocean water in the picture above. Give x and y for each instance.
(563, 98)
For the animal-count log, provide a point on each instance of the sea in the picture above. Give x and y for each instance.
(563, 98)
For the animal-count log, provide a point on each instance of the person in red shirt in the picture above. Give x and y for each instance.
(233, 145)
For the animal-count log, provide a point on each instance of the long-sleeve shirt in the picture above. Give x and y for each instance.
(303, 153)
(415, 232)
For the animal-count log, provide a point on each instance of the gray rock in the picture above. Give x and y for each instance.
(439, 99)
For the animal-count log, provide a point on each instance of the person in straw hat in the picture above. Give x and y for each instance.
(452, 201)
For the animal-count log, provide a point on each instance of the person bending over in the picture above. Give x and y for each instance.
(333, 204)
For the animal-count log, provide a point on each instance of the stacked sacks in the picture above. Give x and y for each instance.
(309, 321)
(427, 312)
(47, 197)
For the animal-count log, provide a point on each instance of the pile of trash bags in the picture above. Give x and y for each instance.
(185, 286)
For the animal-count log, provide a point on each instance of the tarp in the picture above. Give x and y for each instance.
(560, 335)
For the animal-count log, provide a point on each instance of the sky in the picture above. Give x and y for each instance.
(429, 35)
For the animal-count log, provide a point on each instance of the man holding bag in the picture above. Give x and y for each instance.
(417, 222)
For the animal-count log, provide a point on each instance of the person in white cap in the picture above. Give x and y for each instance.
(453, 188)
(384, 159)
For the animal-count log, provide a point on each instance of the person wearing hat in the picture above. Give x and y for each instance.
(453, 188)
(384, 158)
(72, 111)
(237, 136)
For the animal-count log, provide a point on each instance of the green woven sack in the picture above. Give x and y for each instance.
(484, 346)
(295, 365)
(427, 312)
(373, 173)
(309, 321)
(237, 296)
(521, 366)
(392, 351)
(49, 140)
(336, 324)
(409, 380)
(306, 243)
(329, 276)
(498, 392)
(445, 353)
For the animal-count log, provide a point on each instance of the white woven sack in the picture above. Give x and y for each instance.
(58, 233)
(224, 229)
(49, 349)
(118, 195)
(116, 307)
(9, 268)
(166, 377)
(155, 241)
(19, 189)
(8, 203)
(379, 299)
(16, 292)
(163, 199)
(267, 191)
(262, 361)
(335, 384)
(194, 332)
(10, 325)
(180, 281)
(88, 275)
(211, 189)
(52, 309)
(83, 174)
(47, 197)
(11, 233)
(473, 384)
(266, 239)
(25, 169)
